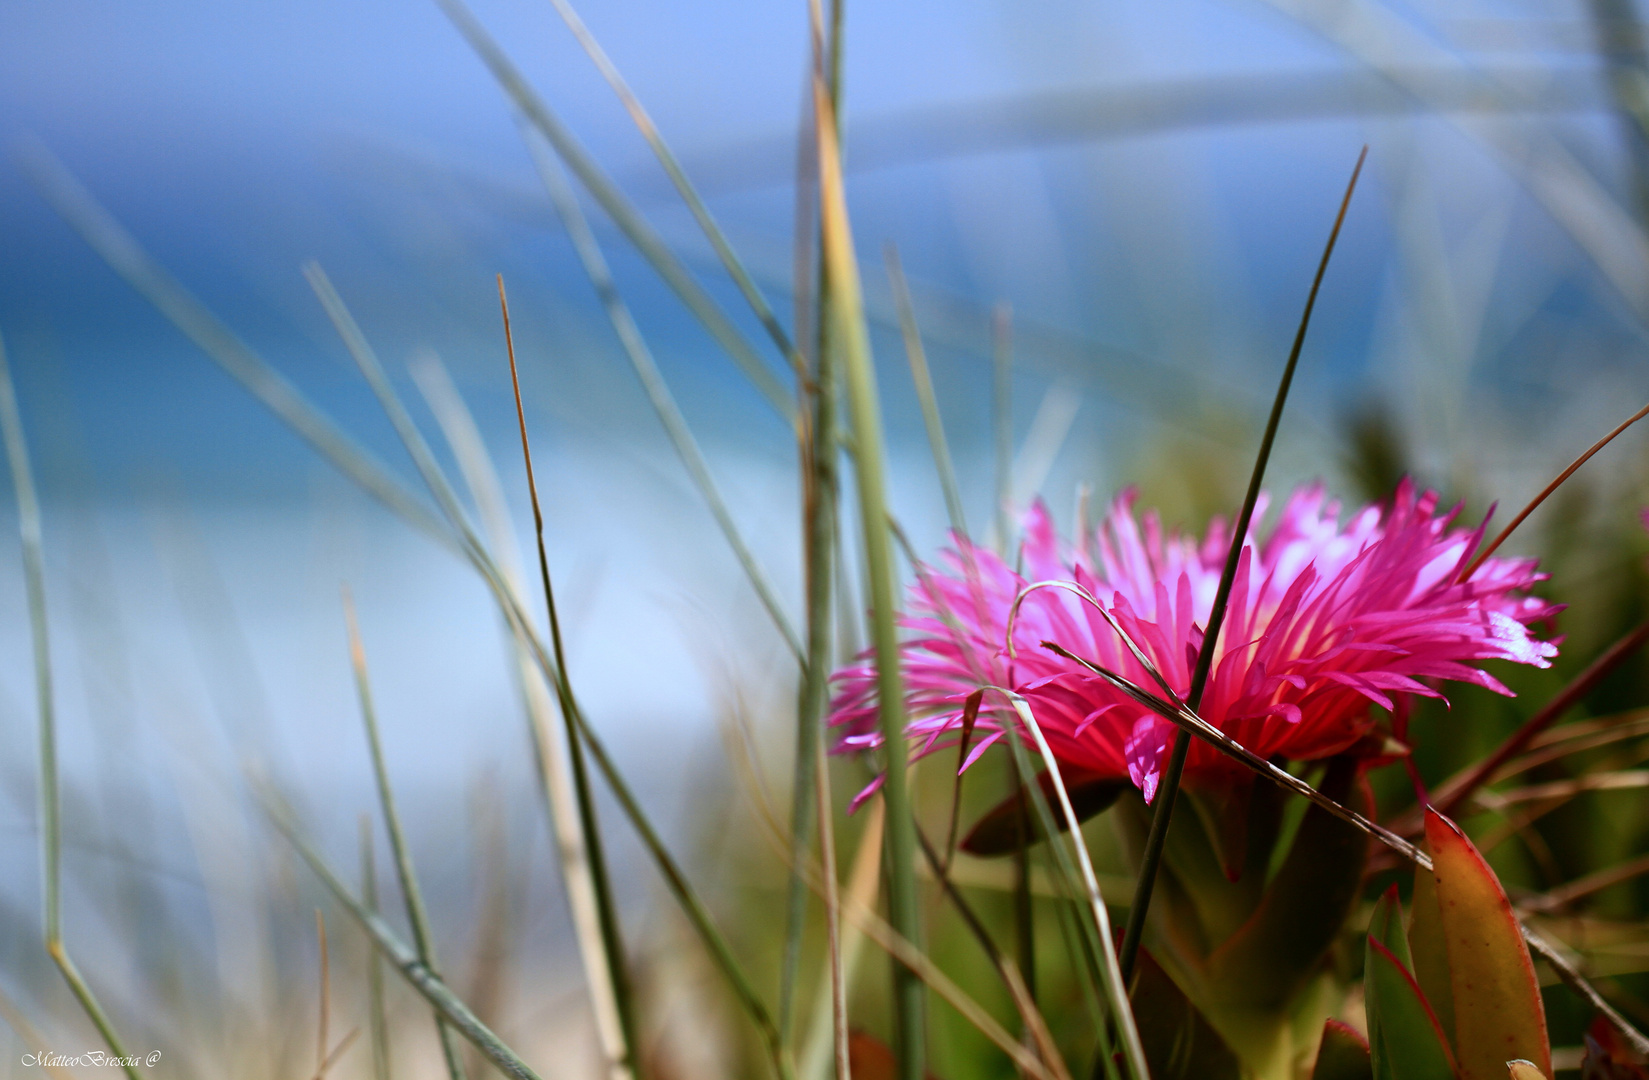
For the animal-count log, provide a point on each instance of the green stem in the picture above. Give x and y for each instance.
(51, 829)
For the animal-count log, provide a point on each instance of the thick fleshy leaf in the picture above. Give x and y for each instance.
(1007, 827)
(1430, 954)
(1343, 1054)
(1386, 927)
(1405, 1041)
(1179, 1042)
(1498, 1015)
(1524, 1070)
(1266, 961)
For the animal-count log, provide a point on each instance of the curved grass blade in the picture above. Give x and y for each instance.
(1168, 789)
(689, 194)
(618, 208)
(579, 875)
(51, 829)
(417, 916)
(652, 380)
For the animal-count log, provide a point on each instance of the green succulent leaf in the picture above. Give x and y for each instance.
(1386, 927)
(1405, 1041)
(1430, 951)
(1343, 1054)
(1180, 1043)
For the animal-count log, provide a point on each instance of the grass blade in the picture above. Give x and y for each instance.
(1168, 790)
(829, 1027)
(821, 532)
(377, 1019)
(848, 333)
(920, 376)
(684, 186)
(1002, 422)
(684, 894)
(414, 898)
(652, 380)
(618, 208)
(51, 828)
(550, 754)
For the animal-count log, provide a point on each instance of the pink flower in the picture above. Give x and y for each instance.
(1323, 621)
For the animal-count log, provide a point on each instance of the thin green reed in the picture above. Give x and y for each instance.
(413, 897)
(1168, 789)
(51, 828)
(377, 1018)
(820, 460)
(850, 335)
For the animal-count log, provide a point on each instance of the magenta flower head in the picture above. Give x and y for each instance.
(1324, 621)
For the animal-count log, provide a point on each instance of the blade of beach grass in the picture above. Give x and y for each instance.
(646, 241)
(377, 1018)
(1168, 789)
(413, 897)
(1002, 422)
(849, 334)
(652, 380)
(448, 1006)
(819, 459)
(684, 186)
(550, 753)
(121, 251)
(683, 892)
(51, 829)
(920, 376)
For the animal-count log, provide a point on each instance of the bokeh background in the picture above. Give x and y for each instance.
(1146, 186)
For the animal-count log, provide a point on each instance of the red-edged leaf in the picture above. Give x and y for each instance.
(1498, 1014)
(1405, 1042)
